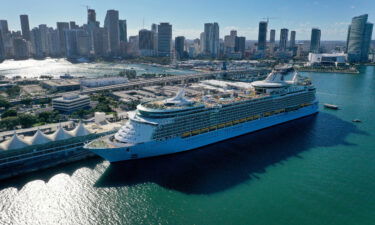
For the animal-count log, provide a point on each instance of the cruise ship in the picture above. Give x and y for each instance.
(179, 124)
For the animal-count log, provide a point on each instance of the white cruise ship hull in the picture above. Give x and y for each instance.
(179, 144)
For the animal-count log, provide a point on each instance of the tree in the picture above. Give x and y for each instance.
(13, 91)
(8, 113)
(80, 113)
(49, 117)
(102, 107)
(27, 120)
(26, 101)
(9, 123)
(4, 103)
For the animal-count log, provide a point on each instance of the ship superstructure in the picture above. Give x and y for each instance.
(179, 124)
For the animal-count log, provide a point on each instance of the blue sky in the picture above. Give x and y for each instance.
(188, 17)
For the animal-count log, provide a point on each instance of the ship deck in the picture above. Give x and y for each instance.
(106, 143)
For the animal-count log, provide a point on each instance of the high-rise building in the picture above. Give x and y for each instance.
(43, 29)
(4, 26)
(100, 41)
(73, 25)
(164, 39)
(25, 27)
(211, 39)
(359, 39)
(61, 28)
(111, 23)
(146, 42)
(154, 29)
(272, 36)
(37, 43)
(283, 39)
(123, 30)
(262, 35)
(233, 33)
(230, 42)
(71, 43)
(2, 48)
(91, 16)
(20, 48)
(83, 42)
(179, 44)
(53, 42)
(240, 45)
(315, 40)
(202, 43)
(292, 42)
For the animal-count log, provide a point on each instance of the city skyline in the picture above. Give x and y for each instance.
(243, 19)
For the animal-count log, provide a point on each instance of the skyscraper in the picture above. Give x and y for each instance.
(359, 39)
(100, 41)
(2, 49)
(111, 23)
(61, 28)
(123, 30)
(211, 39)
(37, 43)
(230, 42)
(83, 42)
(146, 42)
(73, 25)
(91, 16)
(179, 44)
(154, 29)
(292, 39)
(164, 39)
(43, 29)
(25, 27)
(20, 48)
(272, 36)
(283, 39)
(315, 40)
(262, 36)
(53, 42)
(71, 43)
(4, 26)
(240, 45)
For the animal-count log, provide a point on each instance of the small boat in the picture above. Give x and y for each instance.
(356, 121)
(330, 106)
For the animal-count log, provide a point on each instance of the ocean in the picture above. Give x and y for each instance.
(315, 170)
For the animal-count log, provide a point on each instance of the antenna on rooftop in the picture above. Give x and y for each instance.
(269, 18)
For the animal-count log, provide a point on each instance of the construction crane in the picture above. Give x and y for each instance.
(86, 6)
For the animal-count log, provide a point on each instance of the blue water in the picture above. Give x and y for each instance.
(316, 170)
(32, 68)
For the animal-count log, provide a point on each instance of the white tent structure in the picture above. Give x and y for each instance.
(14, 143)
(60, 134)
(39, 138)
(80, 130)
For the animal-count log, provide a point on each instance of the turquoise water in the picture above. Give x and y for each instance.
(316, 170)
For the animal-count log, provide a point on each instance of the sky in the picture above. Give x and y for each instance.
(188, 17)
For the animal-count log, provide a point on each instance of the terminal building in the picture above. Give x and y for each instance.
(103, 81)
(61, 85)
(71, 103)
(327, 59)
(23, 152)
